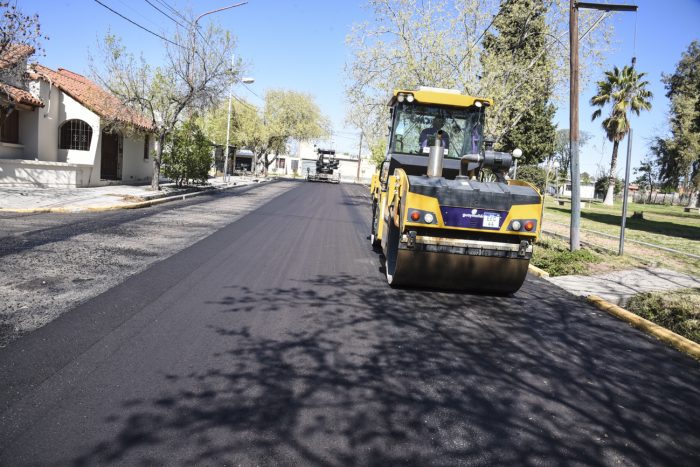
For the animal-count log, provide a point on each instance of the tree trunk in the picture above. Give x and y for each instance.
(610, 195)
(155, 181)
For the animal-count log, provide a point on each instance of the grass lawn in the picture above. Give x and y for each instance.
(553, 256)
(666, 226)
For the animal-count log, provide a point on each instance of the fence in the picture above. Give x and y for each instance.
(656, 197)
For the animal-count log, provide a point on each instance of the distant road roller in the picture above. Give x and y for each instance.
(326, 167)
(444, 211)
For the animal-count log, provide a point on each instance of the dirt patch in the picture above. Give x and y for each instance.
(78, 267)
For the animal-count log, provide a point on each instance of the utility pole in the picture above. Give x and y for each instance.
(228, 122)
(574, 236)
(621, 250)
(359, 158)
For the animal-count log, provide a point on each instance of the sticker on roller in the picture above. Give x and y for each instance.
(472, 218)
(492, 220)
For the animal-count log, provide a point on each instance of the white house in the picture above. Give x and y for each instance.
(587, 190)
(60, 129)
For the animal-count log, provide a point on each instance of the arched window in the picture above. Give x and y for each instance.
(75, 134)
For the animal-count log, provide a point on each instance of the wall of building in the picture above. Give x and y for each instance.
(136, 169)
(28, 173)
(70, 109)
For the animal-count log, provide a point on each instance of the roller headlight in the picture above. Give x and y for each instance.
(410, 98)
(400, 97)
(515, 225)
(428, 218)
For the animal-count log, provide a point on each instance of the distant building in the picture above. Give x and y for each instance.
(587, 190)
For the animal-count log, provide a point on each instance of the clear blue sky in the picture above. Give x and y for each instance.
(300, 45)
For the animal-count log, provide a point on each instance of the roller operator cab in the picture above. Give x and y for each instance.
(444, 211)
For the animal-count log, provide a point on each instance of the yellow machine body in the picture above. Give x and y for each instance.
(452, 231)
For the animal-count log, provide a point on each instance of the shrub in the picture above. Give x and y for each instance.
(678, 311)
(601, 186)
(533, 174)
(554, 257)
(187, 156)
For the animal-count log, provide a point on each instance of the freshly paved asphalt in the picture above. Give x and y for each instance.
(276, 341)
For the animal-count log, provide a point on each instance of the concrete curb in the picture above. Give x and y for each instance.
(669, 337)
(537, 271)
(138, 205)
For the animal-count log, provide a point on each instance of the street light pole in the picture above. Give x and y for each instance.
(228, 120)
(228, 124)
(359, 157)
(574, 240)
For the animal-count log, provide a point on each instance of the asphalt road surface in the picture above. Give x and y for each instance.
(276, 341)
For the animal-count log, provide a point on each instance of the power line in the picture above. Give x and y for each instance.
(244, 102)
(138, 13)
(137, 24)
(252, 92)
(174, 11)
(165, 14)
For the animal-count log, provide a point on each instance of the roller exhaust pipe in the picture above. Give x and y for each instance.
(435, 156)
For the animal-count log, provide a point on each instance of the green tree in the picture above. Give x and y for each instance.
(624, 90)
(602, 185)
(378, 153)
(187, 155)
(286, 116)
(195, 71)
(679, 155)
(562, 150)
(533, 174)
(410, 43)
(648, 175)
(519, 37)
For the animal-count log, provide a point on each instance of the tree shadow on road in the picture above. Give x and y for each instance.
(361, 378)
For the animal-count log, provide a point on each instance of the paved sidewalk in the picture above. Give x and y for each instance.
(619, 286)
(98, 198)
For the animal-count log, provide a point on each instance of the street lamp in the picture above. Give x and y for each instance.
(246, 80)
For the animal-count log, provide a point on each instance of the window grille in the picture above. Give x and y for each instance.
(75, 134)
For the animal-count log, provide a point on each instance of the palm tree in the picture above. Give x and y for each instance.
(624, 90)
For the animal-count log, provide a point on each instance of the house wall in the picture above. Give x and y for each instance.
(28, 173)
(586, 191)
(27, 142)
(11, 150)
(70, 109)
(47, 121)
(134, 167)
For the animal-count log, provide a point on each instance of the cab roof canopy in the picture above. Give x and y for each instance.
(439, 96)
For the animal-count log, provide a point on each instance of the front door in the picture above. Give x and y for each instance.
(110, 168)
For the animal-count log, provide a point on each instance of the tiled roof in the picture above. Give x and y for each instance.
(18, 95)
(13, 53)
(92, 96)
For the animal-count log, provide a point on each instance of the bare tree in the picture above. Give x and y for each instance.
(18, 28)
(410, 43)
(195, 71)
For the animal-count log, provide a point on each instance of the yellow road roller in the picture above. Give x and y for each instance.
(445, 213)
